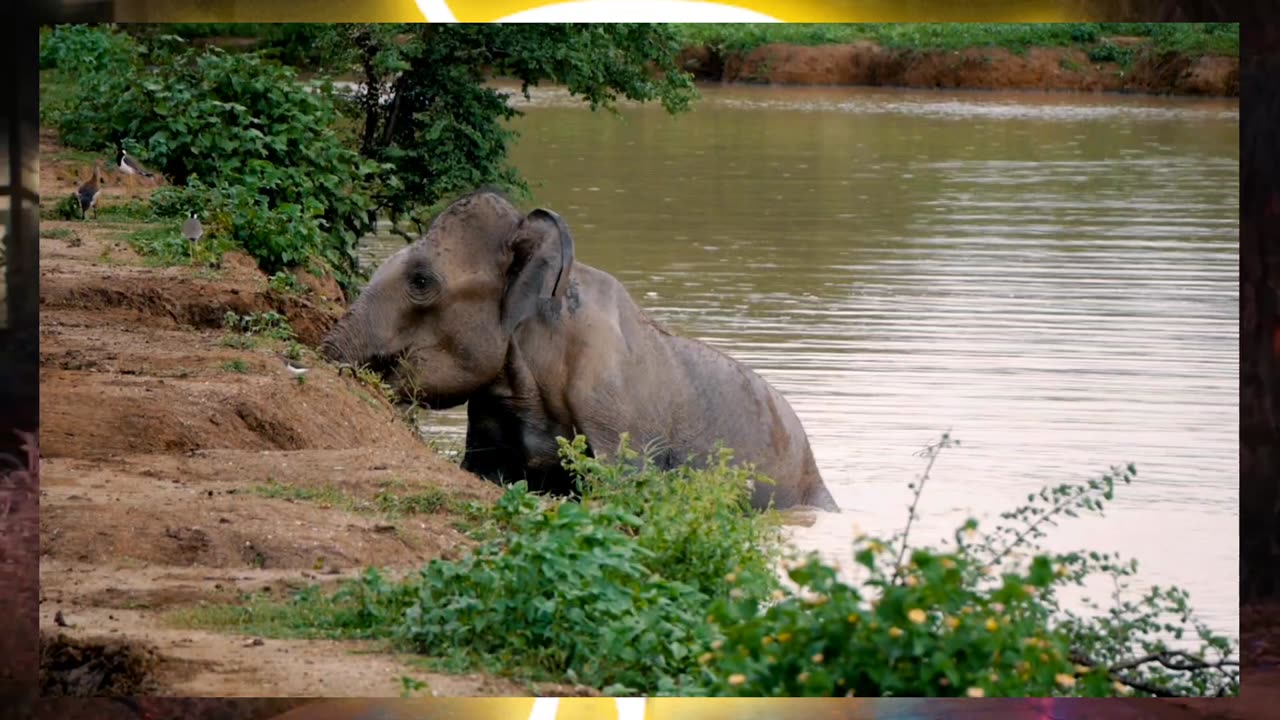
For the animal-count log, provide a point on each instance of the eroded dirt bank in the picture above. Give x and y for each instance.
(159, 438)
(868, 63)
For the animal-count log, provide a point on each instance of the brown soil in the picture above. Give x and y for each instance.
(867, 63)
(158, 441)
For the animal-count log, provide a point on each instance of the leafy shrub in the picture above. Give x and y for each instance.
(966, 621)
(254, 147)
(1110, 52)
(77, 49)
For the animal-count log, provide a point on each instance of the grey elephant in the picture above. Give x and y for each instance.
(490, 309)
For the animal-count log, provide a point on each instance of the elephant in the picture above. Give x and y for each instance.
(489, 308)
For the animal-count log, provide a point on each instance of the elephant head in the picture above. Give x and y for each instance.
(437, 317)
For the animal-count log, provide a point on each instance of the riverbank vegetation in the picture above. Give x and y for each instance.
(656, 582)
(1187, 38)
(663, 582)
(295, 172)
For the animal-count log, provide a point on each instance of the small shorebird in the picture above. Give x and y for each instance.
(131, 167)
(89, 191)
(295, 368)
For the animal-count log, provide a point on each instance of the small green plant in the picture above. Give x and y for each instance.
(57, 233)
(286, 283)
(1070, 65)
(236, 366)
(238, 341)
(409, 686)
(1110, 52)
(295, 350)
(374, 382)
(68, 208)
(269, 324)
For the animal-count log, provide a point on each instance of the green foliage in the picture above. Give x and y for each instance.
(427, 113)
(286, 283)
(236, 366)
(270, 324)
(244, 141)
(698, 521)
(569, 593)
(1192, 38)
(1110, 52)
(81, 49)
(982, 619)
(68, 208)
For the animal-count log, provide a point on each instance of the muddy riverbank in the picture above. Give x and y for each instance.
(1146, 69)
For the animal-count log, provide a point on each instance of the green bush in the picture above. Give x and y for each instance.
(76, 49)
(243, 140)
(972, 620)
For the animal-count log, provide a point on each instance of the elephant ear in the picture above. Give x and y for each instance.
(541, 251)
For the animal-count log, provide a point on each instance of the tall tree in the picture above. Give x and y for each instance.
(427, 111)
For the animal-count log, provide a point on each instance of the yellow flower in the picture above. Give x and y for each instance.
(854, 618)
(766, 640)
(1061, 571)
(916, 615)
(992, 625)
(1044, 658)
(966, 610)
(737, 679)
(1081, 670)
(783, 637)
(778, 595)
(705, 658)
(947, 563)
(803, 677)
(817, 659)
(912, 581)
(975, 692)
(994, 678)
(895, 632)
(951, 622)
(731, 578)
(1029, 589)
(1064, 680)
(875, 547)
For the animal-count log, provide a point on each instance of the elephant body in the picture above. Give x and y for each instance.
(563, 350)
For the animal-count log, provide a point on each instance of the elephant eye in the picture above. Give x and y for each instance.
(419, 281)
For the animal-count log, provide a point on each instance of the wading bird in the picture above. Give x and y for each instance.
(89, 191)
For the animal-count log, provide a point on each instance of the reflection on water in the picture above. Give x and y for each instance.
(1054, 277)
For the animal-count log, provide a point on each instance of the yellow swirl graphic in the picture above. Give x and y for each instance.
(737, 11)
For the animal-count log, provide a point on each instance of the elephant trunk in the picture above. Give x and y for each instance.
(347, 343)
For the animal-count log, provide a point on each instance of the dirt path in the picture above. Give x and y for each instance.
(163, 443)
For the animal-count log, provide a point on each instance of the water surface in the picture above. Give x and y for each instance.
(1051, 276)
